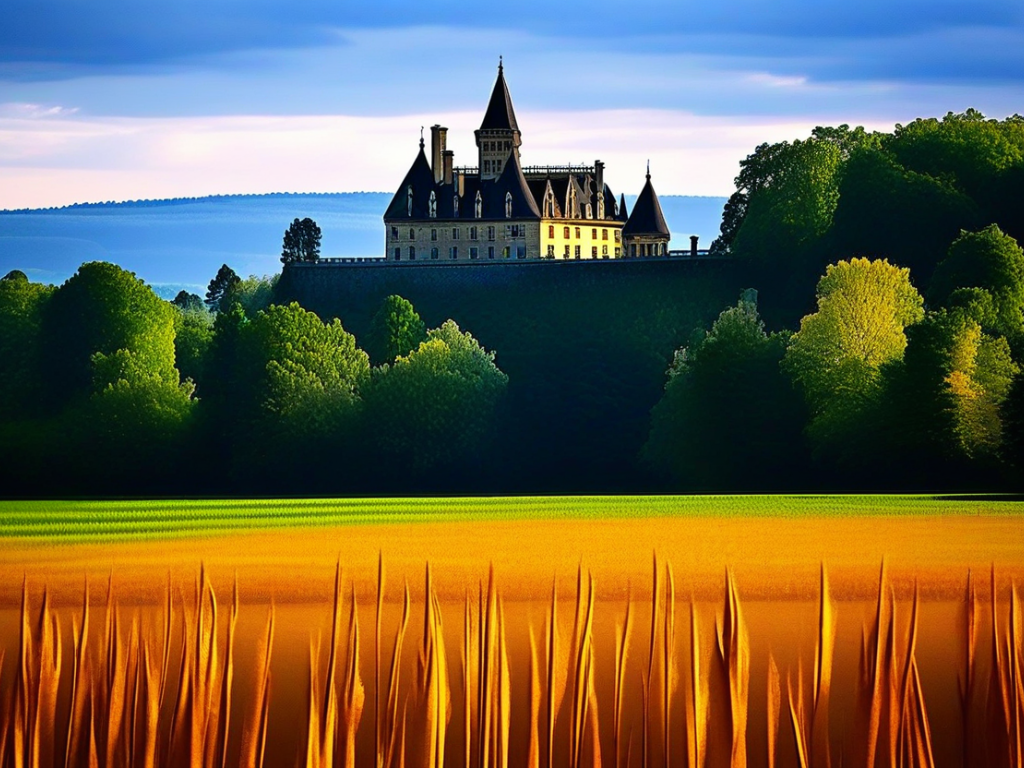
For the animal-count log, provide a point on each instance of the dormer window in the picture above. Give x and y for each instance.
(478, 206)
(455, 205)
(508, 205)
(590, 211)
(433, 205)
(408, 200)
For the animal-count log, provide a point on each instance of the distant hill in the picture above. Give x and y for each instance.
(180, 243)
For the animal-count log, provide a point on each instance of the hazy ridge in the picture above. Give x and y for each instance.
(180, 242)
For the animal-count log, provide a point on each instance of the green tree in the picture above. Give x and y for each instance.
(436, 406)
(729, 419)
(254, 293)
(835, 358)
(301, 242)
(189, 302)
(193, 335)
(221, 288)
(395, 330)
(21, 307)
(103, 309)
(987, 262)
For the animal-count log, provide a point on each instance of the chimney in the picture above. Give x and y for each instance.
(599, 179)
(693, 246)
(461, 180)
(448, 160)
(438, 142)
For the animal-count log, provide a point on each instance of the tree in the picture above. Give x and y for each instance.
(301, 242)
(103, 309)
(21, 307)
(436, 406)
(395, 331)
(193, 335)
(189, 302)
(729, 419)
(221, 288)
(254, 293)
(836, 356)
(991, 263)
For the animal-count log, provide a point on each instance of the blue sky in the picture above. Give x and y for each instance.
(116, 99)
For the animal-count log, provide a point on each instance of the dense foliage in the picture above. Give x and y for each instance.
(901, 369)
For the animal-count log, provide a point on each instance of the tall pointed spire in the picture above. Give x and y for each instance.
(647, 218)
(499, 115)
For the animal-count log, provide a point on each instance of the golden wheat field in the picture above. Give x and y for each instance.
(554, 640)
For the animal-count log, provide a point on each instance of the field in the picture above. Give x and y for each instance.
(594, 631)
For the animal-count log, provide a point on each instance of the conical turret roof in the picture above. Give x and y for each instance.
(646, 218)
(421, 179)
(623, 213)
(499, 114)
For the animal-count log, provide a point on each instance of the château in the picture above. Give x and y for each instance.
(500, 209)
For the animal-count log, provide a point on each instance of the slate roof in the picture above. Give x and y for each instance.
(421, 179)
(499, 114)
(646, 218)
(514, 182)
(623, 213)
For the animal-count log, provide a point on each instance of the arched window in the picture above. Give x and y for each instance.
(408, 200)
(433, 205)
(455, 205)
(478, 205)
(565, 233)
(508, 205)
(590, 211)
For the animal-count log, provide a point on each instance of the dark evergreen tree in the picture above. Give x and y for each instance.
(189, 302)
(301, 242)
(221, 287)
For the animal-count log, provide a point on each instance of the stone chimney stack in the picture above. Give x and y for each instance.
(693, 246)
(448, 161)
(599, 181)
(438, 145)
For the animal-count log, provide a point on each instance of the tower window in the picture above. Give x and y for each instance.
(454, 252)
(490, 233)
(490, 252)
(433, 205)
(508, 205)
(433, 234)
(433, 253)
(394, 233)
(473, 252)
(412, 234)
(478, 205)
(472, 233)
(398, 254)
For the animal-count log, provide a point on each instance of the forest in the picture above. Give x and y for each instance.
(869, 336)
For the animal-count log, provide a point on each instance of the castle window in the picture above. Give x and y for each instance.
(604, 234)
(433, 253)
(454, 252)
(490, 233)
(590, 211)
(551, 231)
(455, 206)
(506, 252)
(478, 205)
(433, 234)
(455, 233)
(433, 205)
(577, 233)
(472, 233)
(490, 252)
(618, 235)
(565, 233)
(593, 252)
(577, 252)
(412, 234)
(398, 254)
(394, 233)
(473, 252)
(408, 200)
(618, 252)
(412, 252)
(487, 166)
(567, 251)
(593, 234)
(551, 251)
(520, 251)
(508, 205)
(604, 251)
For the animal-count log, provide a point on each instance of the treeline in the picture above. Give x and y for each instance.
(886, 266)
(108, 389)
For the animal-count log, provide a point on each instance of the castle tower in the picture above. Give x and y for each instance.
(645, 232)
(498, 135)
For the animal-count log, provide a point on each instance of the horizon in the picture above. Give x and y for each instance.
(110, 102)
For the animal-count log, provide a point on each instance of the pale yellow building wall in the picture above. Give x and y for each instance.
(585, 234)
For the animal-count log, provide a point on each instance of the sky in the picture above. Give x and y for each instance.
(122, 100)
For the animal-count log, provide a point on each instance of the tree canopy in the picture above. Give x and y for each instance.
(301, 241)
(396, 330)
(221, 288)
